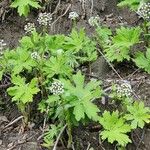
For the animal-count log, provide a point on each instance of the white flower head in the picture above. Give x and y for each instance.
(35, 55)
(29, 27)
(73, 15)
(2, 45)
(94, 21)
(45, 19)
(124, 89)
(57, 88)
(144, 11)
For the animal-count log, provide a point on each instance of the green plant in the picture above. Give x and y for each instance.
(115, 128)
(143, 12)
(23, 93)
(103, 36)
(50, 135)
(57, 66)
(122, 42)
(81, 96)
(138, 115)
(143, 61)
(74, 103)
(23, 6)
(18, 60)
(81, 46)
(133, 4)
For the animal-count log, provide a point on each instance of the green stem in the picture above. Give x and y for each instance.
(146, 33)
(69, 130)
(25, 114)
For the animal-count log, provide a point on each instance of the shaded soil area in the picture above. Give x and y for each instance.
(84, 137)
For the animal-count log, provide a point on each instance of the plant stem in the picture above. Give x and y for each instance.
(69, 130)
(145, 27)
(25, 118)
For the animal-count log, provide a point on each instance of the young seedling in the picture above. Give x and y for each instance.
(22, 94)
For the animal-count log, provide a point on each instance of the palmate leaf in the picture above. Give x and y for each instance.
(57, 66)
(23, 6)
(80, 45)
(115, 128)
(122, 42)
(54, 42)
(75, 41)
(138, 115)
(83, 95)
(19, 60)
(21, 91)
(143, 61)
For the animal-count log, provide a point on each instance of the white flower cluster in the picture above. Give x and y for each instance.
(57, 88)
(124, 89)
(44, 19)
(29, 27)
(73, 15)
(94, 21)
(144, 11)
(2, 45)
(35, 55)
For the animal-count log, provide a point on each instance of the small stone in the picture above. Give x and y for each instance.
(1, 142)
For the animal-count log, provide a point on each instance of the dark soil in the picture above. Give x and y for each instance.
(12, 29)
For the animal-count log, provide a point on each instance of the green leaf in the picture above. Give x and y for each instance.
(91, 110)
(57, 66)
(19, 60)
(115, 128)
(133, 4)
(81, 96)
(80, 46)
(22, 92)
(51, 134)
(23, 6)
(138, 115)
(76, 40)
(143, 61)
(79, 112)
(103, 35)
(122, 42)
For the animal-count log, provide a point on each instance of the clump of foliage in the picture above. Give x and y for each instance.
(23, 94)
(47, 66)
(131, 115)
(44, 64)
(23, 6)
(121, 44)
(115, 128)
(138, 115)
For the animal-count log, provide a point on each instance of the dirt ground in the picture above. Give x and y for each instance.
(12, 29)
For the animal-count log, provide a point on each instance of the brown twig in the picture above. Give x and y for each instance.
(92, 5)
(58, 138)
(14, 121)
(60, 16)
(56, 9)
(141, 139)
